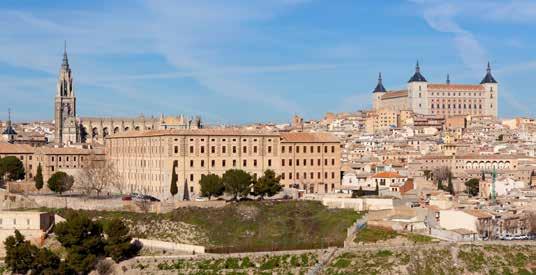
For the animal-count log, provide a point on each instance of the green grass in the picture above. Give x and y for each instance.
(373, 234)
(254, 225)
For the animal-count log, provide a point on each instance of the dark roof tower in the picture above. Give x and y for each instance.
(379, 88)
(488, 78)
(417, 77)
(9, 131)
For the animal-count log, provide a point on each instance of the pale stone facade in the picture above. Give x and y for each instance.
(422, 97)
(145, 159)
(65, 159)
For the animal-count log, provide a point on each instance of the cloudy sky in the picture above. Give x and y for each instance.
(244, 61)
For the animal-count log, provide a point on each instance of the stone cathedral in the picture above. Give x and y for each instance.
(67, 130)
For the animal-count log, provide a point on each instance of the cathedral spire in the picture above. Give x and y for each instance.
(65, 63)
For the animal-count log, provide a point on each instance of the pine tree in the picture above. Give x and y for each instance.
(39, 177)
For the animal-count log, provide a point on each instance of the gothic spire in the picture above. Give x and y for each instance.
(65, 63)
(448, 79)
(417, 77)
(379, 88)
(488, 78)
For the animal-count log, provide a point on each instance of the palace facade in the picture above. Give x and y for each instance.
(146, 159)
(446, 99)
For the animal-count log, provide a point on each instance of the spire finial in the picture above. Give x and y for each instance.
(65, 59)
(379, 77)
(448, 78)
(489, 68)
(417, 67)
(9, 114)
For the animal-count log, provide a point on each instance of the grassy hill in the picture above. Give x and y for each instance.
(245, 226)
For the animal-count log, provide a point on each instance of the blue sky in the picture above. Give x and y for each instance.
(245, 61)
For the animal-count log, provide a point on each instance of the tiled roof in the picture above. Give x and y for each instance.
(7, 148)
(66, 151)
(196, 132)
(456, 87)
(395, 94)
(308, 137)
(478, 213)
(387, 175)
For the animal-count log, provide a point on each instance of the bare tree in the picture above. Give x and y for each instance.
(99, 177)
(441, 173)
(531, 223)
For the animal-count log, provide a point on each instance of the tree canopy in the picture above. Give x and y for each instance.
(11, 168)
(23, 257)
(472, 187)
(211, 185)
(237, 183)
(267, 185)
(60, 182)
(118, 245)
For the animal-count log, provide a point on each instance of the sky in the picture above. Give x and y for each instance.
(244, 61)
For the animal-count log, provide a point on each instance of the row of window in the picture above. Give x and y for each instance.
(304, 149)
(223, 149)
(224, 163)
(311, 162)
(304, 175)
(465, 106)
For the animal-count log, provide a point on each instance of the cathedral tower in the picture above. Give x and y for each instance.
(67, 130)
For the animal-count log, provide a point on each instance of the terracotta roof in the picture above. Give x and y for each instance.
(65, 151)
(387, 175)
(478, 213)
(308, 137)
(455, 87)
(196, 132)
(8, 148)
(395, 94)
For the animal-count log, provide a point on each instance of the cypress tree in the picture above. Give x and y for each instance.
(186, 193)
(39, 177)
(174, 189)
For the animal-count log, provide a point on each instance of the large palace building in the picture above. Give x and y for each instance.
(447, 99)
(146, 159)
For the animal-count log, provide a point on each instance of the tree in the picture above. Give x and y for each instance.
(174, 189)
(211, 185)
(440, 185)
(358, 193)
(11, 168)
(450, 186)
(237, 183)
(83, 239)
(118, 244)
(39, 177)
(60, 182)
(267, 185)
(472, 187)
(377, 190)
(98, 177)
(186, 192)
(483, 176)
(23, 257)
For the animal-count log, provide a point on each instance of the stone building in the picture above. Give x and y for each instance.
(145, 159)
(448, 99)
(52, 159)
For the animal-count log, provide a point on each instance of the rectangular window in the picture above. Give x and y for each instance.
(234, 149)
(202, 149)
(223, 163)
(202, 163)
(245, 149)
(191, 163)
(297, 162)
(304, 149)
(255, 162)
(212, 163)
(244, 163)
(254, 149)
(191, 177)
(282, 149)
(191, 149)
(289, 162)
(333, 149)
(213, 149)
(282, 162)
(269, 149)
(297, 149)
(176, 149)
(269, 162)
(223, 149)
(234, 162)
(290, 149)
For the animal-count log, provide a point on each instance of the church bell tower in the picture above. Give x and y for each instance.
(66, 124)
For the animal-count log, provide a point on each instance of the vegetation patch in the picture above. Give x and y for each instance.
(372, 234)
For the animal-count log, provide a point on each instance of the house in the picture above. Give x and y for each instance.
(473, 220)
(32, 224)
